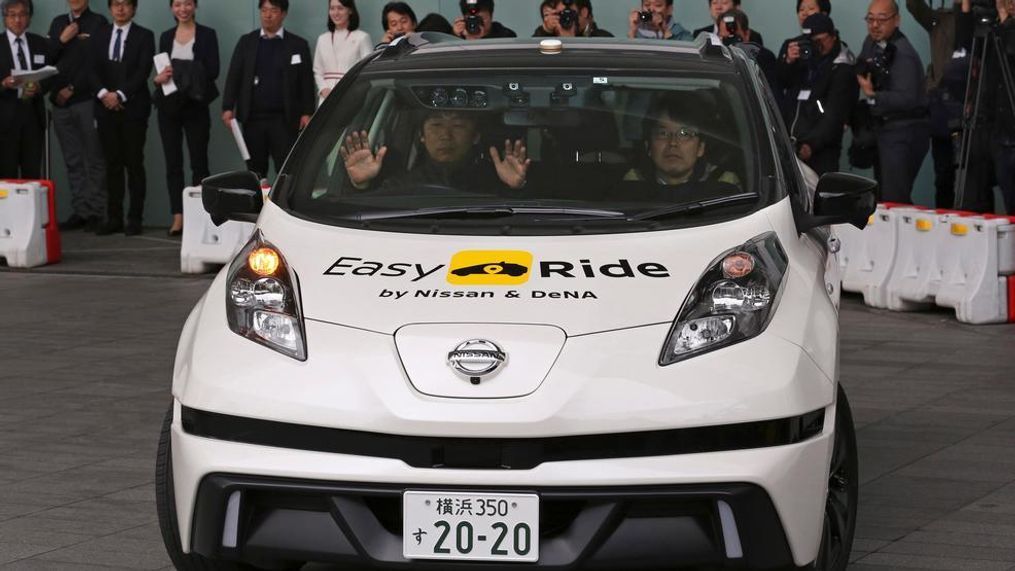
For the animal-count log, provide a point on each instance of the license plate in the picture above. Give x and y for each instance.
(466, 526)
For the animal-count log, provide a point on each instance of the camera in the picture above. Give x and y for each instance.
(878, 67)
(985, 11)
(568, 16)
(473, 21)
(731, 24)
(645, 16)
(806, 47)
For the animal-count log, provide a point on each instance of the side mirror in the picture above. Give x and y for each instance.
(232, 196)
(841, 198)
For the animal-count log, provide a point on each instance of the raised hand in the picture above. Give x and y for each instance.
(514, 167)
(361, 163)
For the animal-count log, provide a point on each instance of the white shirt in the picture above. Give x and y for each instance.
(280, 34)
(336, 53)
(14, 53)
(24, 47)
(183, 51)
(112, 44)
(123, 39)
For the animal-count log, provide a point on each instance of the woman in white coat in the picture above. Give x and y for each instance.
(340, 47)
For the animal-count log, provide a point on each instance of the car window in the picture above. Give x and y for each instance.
(472, 152)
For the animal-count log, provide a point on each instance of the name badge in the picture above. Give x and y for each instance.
(805, 94)
(296, 60)
(39, 59)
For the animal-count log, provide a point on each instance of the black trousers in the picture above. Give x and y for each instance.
(901, 151)
(268, 135)
(943, 151)
(123, 142)
(192, 121)
(21, 145)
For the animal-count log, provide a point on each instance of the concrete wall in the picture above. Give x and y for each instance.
(775, 19)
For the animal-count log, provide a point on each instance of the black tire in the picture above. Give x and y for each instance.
(165, 504)
(843, 493)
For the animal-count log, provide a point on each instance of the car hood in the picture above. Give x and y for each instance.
(382, 281)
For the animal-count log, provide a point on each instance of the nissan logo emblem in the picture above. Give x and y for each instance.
(477, 358)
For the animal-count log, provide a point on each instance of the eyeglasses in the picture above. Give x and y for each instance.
(682, 135)
(872, 19)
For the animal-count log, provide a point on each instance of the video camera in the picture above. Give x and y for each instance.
(473, 21)
(568, 16)
(985, 11)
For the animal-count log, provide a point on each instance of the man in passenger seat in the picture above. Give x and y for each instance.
(675, 148)
(453, 158)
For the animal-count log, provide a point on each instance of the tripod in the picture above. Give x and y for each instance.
(986, 44)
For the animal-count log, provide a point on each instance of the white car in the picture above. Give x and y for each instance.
(520, 305)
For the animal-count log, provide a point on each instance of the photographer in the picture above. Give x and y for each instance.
(819, 103)
(788, 64)
(946, 85)
(718, 8)
(998, 105)
(568, 19)
(735, 30)
(476, 22)
(892, 84)
(655, 21)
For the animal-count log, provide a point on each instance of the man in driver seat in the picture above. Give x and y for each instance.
(675, 147)
(453, 158)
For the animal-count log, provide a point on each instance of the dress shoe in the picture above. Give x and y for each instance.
(75, 222)
(133, 229)
(109, 227)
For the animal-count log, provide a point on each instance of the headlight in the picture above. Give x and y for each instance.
(733, 301)
(263, 301)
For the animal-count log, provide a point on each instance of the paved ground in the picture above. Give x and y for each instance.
(83, 387)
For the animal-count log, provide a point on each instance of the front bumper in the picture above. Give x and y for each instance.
(776, 495)
(630, 528)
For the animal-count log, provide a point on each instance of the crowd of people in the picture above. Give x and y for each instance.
(105, 88)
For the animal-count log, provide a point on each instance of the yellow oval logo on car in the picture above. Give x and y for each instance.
(490, 267)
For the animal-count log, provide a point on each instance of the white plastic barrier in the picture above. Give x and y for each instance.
(979, 281)
(922, 253)
(206, 246)
(872, 259)
(24, 215)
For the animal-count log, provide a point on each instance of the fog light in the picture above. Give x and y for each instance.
(282, 330)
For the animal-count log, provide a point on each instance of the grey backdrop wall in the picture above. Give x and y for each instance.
(775, 19)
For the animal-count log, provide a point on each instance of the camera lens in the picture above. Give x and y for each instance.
(459, 98)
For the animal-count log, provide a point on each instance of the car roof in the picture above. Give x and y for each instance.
(428, 51)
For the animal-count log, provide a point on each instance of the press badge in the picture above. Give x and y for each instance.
(804, 95)
(296, 60)
(39, 59)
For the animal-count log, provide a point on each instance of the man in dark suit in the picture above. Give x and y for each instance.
(270, 88)
(70, 37)
(122, 56)
(22, 108)
(717, 8)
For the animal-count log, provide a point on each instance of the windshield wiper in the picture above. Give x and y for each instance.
(495, 211)
(696, 206)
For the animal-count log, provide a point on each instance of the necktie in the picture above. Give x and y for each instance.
(22, 61)
(118, 46)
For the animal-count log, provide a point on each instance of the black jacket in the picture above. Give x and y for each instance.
(130, 75)
(902, 99)
(74, 59)
(755, 36)
(498, 30)
(205, 67)
(299, 92)
(10, 105)
(819, 104)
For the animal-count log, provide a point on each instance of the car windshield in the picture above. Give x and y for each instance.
(530, 152)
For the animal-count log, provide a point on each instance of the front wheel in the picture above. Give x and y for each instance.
(843, 493)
